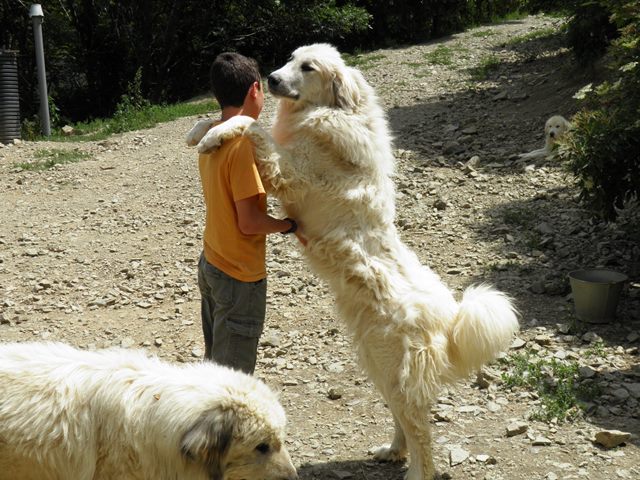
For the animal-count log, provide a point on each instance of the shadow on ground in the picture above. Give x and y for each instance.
(352, 470)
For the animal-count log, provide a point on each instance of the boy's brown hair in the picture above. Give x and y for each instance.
(232, 75)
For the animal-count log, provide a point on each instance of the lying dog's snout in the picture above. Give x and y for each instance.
(552, 134)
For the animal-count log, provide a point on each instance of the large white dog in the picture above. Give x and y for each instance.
(331, 167)
(554, 129)
(68, 414)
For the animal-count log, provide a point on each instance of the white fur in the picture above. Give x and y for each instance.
(554, 129)
(331, 167)
(68, 414)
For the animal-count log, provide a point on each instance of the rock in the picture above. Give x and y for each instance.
(611, 438)
(486, 459)
(457, 455)
(516, 428)
(541, 441)
(334, 393)
(586, 372)
(68, 130)
(500, 96)
(517, 344)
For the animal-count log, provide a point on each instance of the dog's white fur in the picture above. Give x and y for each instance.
(331, 167)
(69, 414)
(554, 129)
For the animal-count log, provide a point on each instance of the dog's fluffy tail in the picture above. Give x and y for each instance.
(483, 327)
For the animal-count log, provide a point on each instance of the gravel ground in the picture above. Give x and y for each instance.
(103, 252)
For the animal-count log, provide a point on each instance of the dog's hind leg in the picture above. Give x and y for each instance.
(397, 450)
(414, 421)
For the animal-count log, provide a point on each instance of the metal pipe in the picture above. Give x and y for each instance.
(37, 15)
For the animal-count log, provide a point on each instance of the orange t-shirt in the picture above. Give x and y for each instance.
(230, 174)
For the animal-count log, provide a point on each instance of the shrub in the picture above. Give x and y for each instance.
(603, 147)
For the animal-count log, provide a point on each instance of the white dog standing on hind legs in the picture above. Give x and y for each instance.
(330, 164)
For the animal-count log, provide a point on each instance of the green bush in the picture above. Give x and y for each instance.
(603, 147)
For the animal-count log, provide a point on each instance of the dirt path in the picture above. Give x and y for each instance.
(103, 252)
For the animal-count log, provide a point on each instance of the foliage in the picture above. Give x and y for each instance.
(48, 158)
(129, 117)
(96, 48)
(603, 147)
(556, 382)
(590, 30)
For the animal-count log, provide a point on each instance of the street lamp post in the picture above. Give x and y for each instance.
(36, 14)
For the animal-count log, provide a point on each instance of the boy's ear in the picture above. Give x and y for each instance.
(255, 88)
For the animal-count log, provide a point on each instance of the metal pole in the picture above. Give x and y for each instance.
(36, 14)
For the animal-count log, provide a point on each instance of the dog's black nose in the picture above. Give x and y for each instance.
(273, 80)
(552, 134)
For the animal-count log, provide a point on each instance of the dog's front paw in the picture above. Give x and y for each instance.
(198, 131)
(388, 454)
(227, 130)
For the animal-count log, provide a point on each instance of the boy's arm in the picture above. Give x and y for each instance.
(253, 221)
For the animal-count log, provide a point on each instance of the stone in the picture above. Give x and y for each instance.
(611, 438)
(516, 428)
(334, 393)
(457, 455)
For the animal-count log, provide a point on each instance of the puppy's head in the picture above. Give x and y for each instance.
(240, 439)
(317, 75)
(555, 128)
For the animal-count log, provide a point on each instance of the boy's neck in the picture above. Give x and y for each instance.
(228, 112)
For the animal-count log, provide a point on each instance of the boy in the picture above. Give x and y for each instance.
(232, 270)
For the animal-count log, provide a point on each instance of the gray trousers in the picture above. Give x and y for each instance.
(233, 314)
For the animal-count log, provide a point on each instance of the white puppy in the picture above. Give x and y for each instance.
(330, 164)
(68, 414)
(554, 130)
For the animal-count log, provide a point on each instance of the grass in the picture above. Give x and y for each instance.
(442, 55)
(487, 65)
(518, 217)
(363, 61)
(128, 118)
(557, 383)
(543, 32)
(48, 158)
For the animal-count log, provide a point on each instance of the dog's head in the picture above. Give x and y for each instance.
(555, 128)
(317, 75)
(241, 438)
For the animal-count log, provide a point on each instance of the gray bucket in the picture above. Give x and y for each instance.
(9, 96)
(596, 293)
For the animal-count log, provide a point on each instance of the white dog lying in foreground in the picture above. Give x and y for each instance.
(68, 414)
(554, 130)
(331, 166)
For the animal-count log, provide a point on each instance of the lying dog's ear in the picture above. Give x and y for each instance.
(346, 91)
(208, 440)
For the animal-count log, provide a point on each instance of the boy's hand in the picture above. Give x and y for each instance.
(198, 131)
(301, 238)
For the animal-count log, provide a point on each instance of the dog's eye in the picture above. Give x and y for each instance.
(263, 448)
(306, 67)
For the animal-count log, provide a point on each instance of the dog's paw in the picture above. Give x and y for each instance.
(198, 131)
(231, 128)
(388, 454)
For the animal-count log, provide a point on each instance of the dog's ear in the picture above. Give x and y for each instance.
(346, 90)
(208, 440)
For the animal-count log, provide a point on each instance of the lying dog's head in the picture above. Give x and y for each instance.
(241, 438)
(555, 128)
(317, 75)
